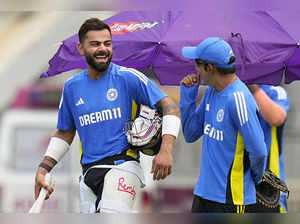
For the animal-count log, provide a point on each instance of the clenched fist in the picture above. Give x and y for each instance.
(191, 80)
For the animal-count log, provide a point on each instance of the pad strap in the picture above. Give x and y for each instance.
(129, 166)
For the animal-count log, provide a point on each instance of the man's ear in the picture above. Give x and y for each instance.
(210, 68)
(80, 49)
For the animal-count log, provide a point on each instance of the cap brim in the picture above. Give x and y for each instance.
(189, 52)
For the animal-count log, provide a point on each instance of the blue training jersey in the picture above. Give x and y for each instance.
(233, 149)
(274, 135)
(99, 109)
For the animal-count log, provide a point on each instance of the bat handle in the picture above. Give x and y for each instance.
(38, 204)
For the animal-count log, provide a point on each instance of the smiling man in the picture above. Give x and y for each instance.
(98, 103)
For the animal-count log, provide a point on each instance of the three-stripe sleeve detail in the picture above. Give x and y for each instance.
(241, 107)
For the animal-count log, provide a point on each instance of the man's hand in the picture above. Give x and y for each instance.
(40, 182)
(191, 80)
(163, 162)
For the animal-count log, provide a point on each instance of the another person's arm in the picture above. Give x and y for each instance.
(274, 113)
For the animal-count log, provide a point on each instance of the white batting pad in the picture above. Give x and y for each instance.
(120, 191)
(87, 198)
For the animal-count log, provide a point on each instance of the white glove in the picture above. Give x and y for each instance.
(144, 127)
(142, 131)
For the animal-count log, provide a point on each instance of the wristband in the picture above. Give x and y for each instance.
(45, 166)
(57, 148)
(170, 125)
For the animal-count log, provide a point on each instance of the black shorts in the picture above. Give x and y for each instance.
(201, 205)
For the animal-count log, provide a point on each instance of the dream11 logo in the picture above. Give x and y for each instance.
(122, 28)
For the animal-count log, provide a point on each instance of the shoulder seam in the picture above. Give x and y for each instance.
(137, 73)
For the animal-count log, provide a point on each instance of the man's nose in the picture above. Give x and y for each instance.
(101, 47)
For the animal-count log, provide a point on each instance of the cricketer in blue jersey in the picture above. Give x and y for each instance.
(98, 103)
(98, 109)
(233, 149)
(273, 103)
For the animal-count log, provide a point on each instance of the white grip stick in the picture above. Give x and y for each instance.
(38, 204)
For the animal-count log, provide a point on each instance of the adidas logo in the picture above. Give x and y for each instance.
(80, 101)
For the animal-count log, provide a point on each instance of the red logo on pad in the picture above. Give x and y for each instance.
(128, 189)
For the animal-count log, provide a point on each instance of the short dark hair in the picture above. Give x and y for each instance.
(225, 71)
(91, 24)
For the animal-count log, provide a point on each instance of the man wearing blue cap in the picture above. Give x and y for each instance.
(233, 149)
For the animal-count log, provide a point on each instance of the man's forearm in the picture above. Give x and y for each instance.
(168, 142)
(274, 114)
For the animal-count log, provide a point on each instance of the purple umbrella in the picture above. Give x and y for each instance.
(136, 38)
(289, 21)
(147, 39)
(261, 46)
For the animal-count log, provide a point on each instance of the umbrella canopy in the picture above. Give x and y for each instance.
(154, 39)
(289, 22)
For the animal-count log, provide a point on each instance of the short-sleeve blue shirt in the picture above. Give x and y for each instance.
(99, 109)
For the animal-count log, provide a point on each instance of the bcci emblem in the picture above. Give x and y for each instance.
(220, 115)
(112, 94)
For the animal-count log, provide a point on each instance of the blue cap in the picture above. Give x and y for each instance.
(212, 50)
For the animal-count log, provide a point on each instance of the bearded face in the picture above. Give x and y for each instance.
(99, 61)
(97, 49)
